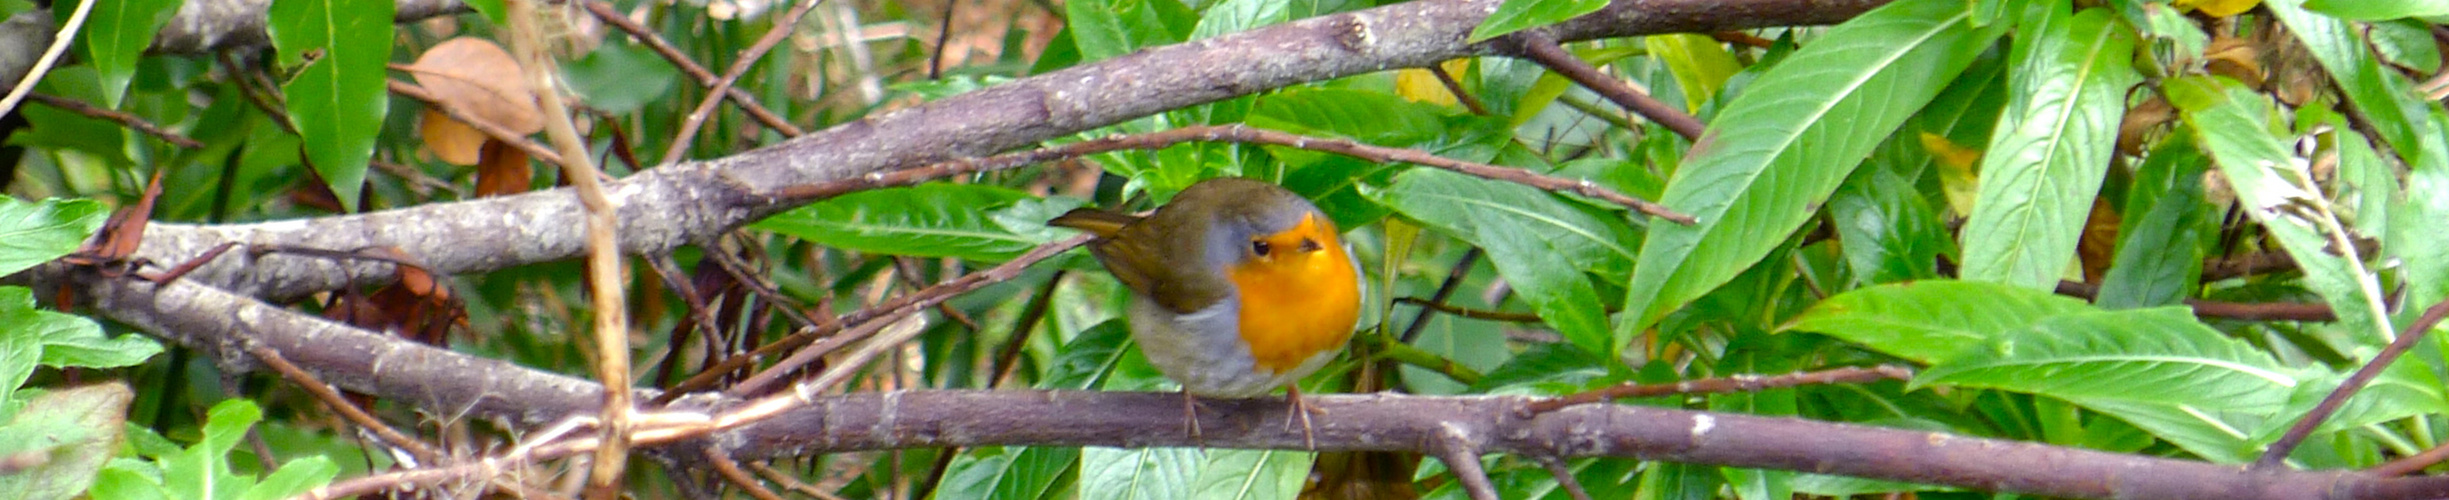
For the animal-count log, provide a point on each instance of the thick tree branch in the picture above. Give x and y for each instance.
(678, 204)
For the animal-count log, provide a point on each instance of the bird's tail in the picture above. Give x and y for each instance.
(1102, 223)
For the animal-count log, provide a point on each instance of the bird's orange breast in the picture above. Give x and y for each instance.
(1300, 300)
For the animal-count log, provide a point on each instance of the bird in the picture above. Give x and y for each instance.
(1238, 287)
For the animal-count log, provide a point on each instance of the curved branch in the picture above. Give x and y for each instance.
(678, 204)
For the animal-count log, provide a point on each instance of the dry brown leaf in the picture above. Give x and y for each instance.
(505, 170)
(2143, 124)
(478, 77)
(2234, 58)
(451, 141)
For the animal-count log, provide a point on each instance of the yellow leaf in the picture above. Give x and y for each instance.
(1956, 176)
(2217, 8)
(1419, 85)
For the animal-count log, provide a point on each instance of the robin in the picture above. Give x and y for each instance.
(1238, 287)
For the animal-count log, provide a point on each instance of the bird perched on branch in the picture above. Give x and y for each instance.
(1238, 287)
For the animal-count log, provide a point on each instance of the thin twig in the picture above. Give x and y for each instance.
(1427, 306)
(790, 483)
(943, 37)
(341, 405)
(904, 305)
(604, 264)
(42, 66)
(2329, 404)
(1539, 47)
(1736, 383)
(705, 108)
(131, 121)
(1564, 476)
(2411, 464)
(604, 11)
(1455, 87)
(2248, 311)
(730, 470)
(1462, 459)
(1445, 291)
(1234, 133)
(507, 136)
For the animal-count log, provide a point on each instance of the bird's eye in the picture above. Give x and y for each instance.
(1260, 247)
(1310, 245)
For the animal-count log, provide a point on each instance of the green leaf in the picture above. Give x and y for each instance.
(1700, 64)
(1107, 28)
(1891, 233)
(1235, 16)
(1017, 472)
(1137, 474)
(116, 35)
(125, 483)
(2274, 187)
(2402, 390)
(2407, 43)
(202, 470)
(1782, 146)
(2387, 100)
(620, 77)
(1372, 117)
(1251, 474)
(78, 429)
(493, 10)
(969, 221)
(1541, 244)
(2156, 368)
(2051, 147)
(2160, 251)
(1089, 358)
(337, 99)
(1929, 321)
(74, 341)
(1518, 15)
(34, 233)
(56, 128)
(295, 477)
(2376, 10)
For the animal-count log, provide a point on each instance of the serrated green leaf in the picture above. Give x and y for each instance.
(970, 221)
(2376, 10)
(2275, 189)
(1929, 321)
(116, 35)
(2051, 148)
(74, 341)
(337, 100)
(2407, 43)
(34, 233)
(1541, 244)
(1518, 15)
(1782, 146)
(2159, 252)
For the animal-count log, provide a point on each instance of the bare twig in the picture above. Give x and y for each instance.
(42, 65)
(2255, 311)
(1235, 133)
(131, 121)
(1540, 47)
(604, 265)
(904, 305)
(1564, 476)
(747, 102)
(2304, 427)
(1427, 306)
(1735, 383)
(1462, 458)
(791, 483)
(341, 405)
(730, 470)
(705, 108)
(507, 136)
(1445, 291)
(1470, 102)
